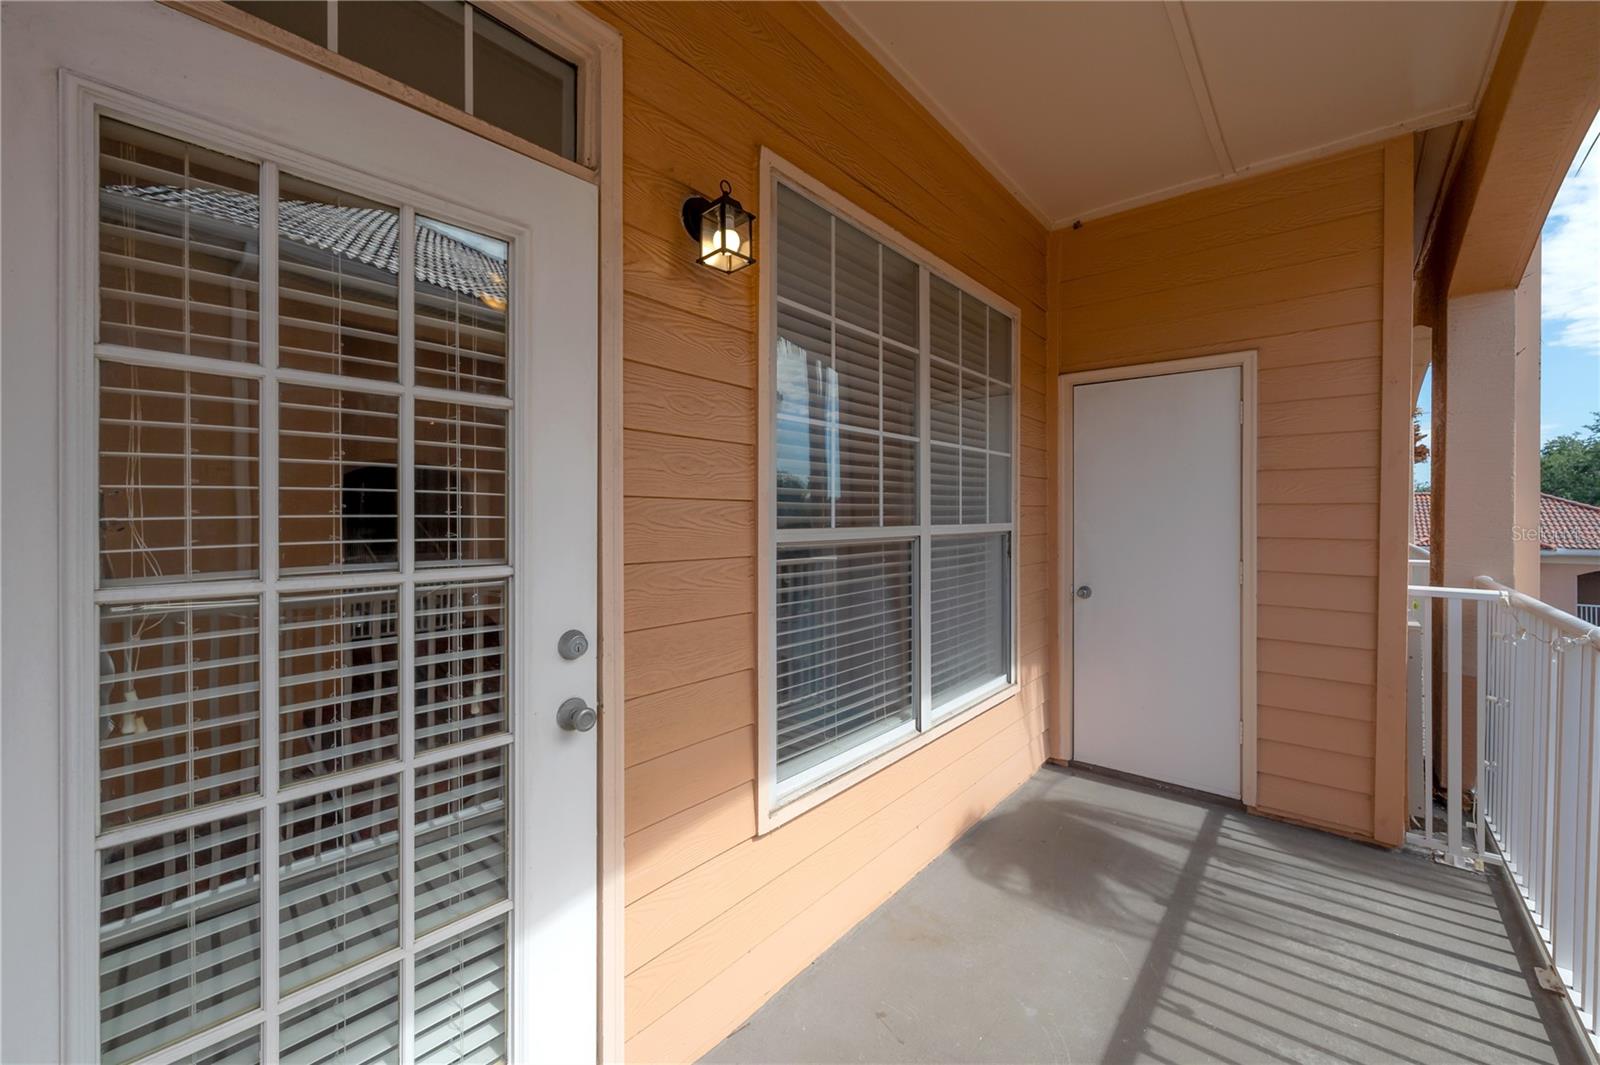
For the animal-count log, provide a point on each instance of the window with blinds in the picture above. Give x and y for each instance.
(303, 730)
(892, 444)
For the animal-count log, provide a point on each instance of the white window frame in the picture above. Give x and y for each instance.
(777, 805)
(84, 103)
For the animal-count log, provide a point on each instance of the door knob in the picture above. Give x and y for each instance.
(575, 715)
(1084, 591)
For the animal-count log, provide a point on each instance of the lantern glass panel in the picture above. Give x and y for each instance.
(725, 236)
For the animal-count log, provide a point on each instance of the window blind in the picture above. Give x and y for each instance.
(339, 867)
(971, 614)
(242, 1050)
(185, 785)
(460, 483)
(970, 396)
(356, 1025)
(459, 662)
(460, 309)
(846, 444)
(179, 707)
(461, 838)
(461, 998)
(339, 681)
(845, 648)
(338, 283)
(179, 246)
(856, 542)
(180, 928)
(338, 462)
(178, 472)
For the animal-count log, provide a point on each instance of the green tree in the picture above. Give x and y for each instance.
(1569, 465)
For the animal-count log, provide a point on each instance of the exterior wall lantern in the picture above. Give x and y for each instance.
(723, 229)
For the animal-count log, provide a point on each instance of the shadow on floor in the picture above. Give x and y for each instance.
(1092, 920)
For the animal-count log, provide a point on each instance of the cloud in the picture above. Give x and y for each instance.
(1570, 279)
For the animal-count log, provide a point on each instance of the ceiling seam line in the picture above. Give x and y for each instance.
(1183, 35)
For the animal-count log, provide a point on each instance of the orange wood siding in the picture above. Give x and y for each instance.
(716, 918)
(1292, 265)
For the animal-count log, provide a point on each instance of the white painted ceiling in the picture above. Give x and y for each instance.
(1083, 109)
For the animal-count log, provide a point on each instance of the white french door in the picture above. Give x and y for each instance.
(329, 505)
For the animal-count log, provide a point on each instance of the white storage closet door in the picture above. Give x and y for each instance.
(1156, 543)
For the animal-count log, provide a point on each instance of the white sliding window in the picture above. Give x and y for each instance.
(303, 737)
(893, 516)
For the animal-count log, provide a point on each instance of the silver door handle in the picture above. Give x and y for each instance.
(1084, 591)
(575, 715)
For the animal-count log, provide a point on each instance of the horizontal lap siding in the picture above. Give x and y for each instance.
(1291, 265)
(718, 919)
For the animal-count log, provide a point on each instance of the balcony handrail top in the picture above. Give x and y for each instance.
(1433, 591)
(1567, 624)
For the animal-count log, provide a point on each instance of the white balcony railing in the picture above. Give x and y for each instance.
(1535, 793)
(1589, 613)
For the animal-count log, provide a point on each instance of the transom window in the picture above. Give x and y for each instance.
(892, 447)
(452, 52)
(304, 738)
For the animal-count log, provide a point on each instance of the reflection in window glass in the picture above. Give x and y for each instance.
(459, 661)
(178, 466)
(339, 879)
(462, 288)
(461, 838)
(337, 469)
(358, 1022)
(180, 707)
(338, 296)
(460, 1002)
(180, 927)
(338, 681)
(179, 235)
(191, 843)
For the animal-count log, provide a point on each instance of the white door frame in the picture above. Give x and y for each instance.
(1061, 717)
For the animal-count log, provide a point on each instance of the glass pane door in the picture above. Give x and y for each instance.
(305, 586)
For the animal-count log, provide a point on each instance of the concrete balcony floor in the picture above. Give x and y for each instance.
(1091, 920)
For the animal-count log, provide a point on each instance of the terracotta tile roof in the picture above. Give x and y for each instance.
(1421, 518)
(364, 234)
(1564, 524)
(1567, 525)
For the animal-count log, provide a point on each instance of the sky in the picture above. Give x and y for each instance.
(1569, 330)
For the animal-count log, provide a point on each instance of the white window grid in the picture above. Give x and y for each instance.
(922, 533)
(406, 580)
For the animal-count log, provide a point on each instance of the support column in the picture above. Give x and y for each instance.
(1486, 470)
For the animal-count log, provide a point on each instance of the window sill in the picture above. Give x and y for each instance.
(816, 788)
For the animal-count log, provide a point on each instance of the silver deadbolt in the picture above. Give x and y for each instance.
(1084, 591)
(575, 715)
(573, 644)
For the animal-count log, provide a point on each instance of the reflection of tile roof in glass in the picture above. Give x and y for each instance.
(365, 234)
